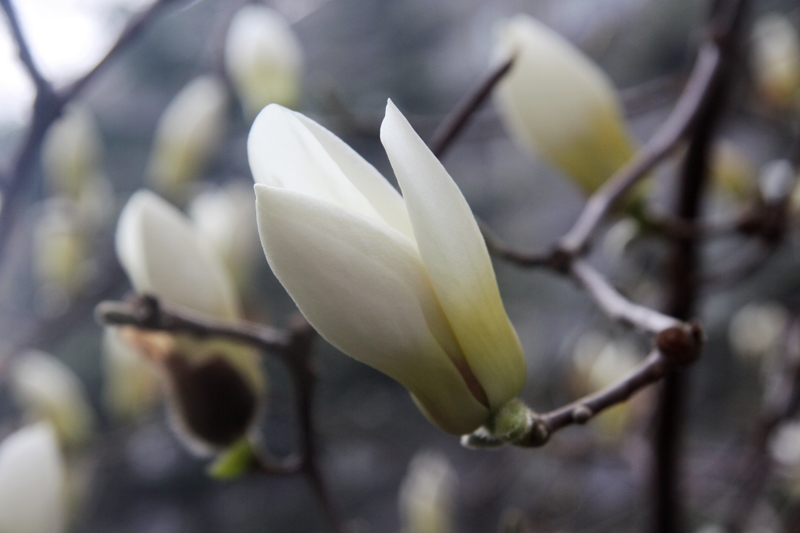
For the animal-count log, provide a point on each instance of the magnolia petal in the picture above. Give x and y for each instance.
(362, 285)
(291, 151)
(163, 254)
(457, 261)
(31, 482)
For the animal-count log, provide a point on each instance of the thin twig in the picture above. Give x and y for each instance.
(454, 123)
(42, 85)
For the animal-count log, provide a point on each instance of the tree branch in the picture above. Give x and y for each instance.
(42, 85)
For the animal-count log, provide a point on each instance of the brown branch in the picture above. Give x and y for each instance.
(42, 85)
(454, 123)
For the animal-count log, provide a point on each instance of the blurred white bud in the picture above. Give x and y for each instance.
(215, 388)
(619, 236)
(732, 170)
(427, 494)
(756, 329)
(776, 180)
(130, 386)
(227, 217)
(47, 389)
(72, 152)
(61, 256)
(776, 60)
(95, 204)
(187, 134)
(785, 450)
(263, 58)
(31, 482)
(557, 103)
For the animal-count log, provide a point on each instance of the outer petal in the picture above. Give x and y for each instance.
(31, 482)
(163, 254)
(559, 104)
(362, 285)
(457, 261)
(289, 150)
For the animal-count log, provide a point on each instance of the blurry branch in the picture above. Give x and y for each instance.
(781, 402)
(454, 123)
(48, 106)
(292, 346)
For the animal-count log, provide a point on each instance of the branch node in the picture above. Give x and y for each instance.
(537, 435)
(582, 414)
(681, 345)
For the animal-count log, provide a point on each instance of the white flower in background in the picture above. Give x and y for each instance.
(776, 181)
(403, 284)
(558, 104)
(31, 482)
(72, 152)
(427, 494)
(785, 450)
(47, 389)
(755, 330)
(216, 388)
(263, 58)
(775, 60)
(60, 248)
(227, 217)
(130, 384)
(187, 134)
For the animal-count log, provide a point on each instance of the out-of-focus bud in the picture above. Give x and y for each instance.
(776, 60)
(755, 330)
(732, 171)
(557, 103)
(130, 388)
(72, 152)
(216, 388)
(776, 181)
(47, 389)
(227, 217)
(31, 482)
(427, 494)
(187, 134)
(61, 258)
(599, 362)
(785, 451)
(263, 58)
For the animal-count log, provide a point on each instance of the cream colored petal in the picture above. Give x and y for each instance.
(163, 254)
(362, 285)
(457, 261)
(289, 150)
(31, 482)
(558, 104)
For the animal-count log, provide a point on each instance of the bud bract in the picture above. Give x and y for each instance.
(404, 285)
(216, 387)
(775, 59)
(263, 59)
(426, 494)
(47, 389)
(32, 482)
(559, 105)
(187, 134)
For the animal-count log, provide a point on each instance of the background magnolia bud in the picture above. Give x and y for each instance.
(732, 171)
(756, 329)
(263, 59)
(130, 385)
(558, 104)
(31, 482)
(61, 250)
(47, 389)
(187, 134)
(427, 494)
(785, 450)
(776, 180)
(72, 152)
(227, 217)
(775, 60)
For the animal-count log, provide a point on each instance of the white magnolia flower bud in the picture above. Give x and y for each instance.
(732, 170)
(558, 104)
(61, 253)
(47, 389)
(216, 388)
(427, 494)
(31, 482)
(130, 387)
(776, 180)
(776, 60)
(187, 134)
(263, 58)
(72, 152)
(227, 217)
(756, 329)
(403, 284)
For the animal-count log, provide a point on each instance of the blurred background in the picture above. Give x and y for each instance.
(132, 474)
